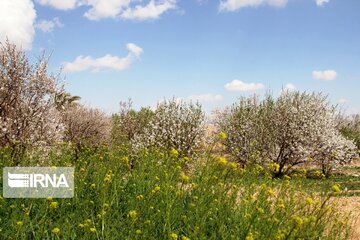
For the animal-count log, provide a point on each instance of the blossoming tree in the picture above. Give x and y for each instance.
(27, 114)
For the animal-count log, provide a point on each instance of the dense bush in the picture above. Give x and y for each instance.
(175, 125)
(28, 116)
(293, 129)
(86, 127)
(350, 128)
(129, 123)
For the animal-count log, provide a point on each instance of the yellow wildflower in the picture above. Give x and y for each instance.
(232, 165)
(138, 232)
(133, 215)
(185, 238)
(174, 153)
(271, 191)
(93, 229)
(56, 230)
(222, 161)
(107, 178)
(156, 189)
(275, 167)
(298, 220)
(261, 210)
(173, 236)
(54, 205)
(309, 200)
(19, 223)
(222, 135)
(249, 237)
(184, 178)
(336, 188)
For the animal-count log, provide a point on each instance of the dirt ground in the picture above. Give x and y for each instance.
(351, 205)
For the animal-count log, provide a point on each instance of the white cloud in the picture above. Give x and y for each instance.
(237, 85)
(100, 9)
(82, 63)
(17, 22)
(206, 97)
(105, 8)
(48, 26)
(321, 2)
(152, 10)
(343, 101)
(289, 87)
(60, 4)
(325, 75)
(233, 5)
(136, 50)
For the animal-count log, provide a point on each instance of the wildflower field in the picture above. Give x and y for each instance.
(160, 195)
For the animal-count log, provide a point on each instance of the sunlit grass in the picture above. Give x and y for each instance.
(159, 195)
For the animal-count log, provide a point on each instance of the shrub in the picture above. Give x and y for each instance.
(331, 148)
(290, 130)
(28, 116)
(350, 128)
(86, 127)
(175, 125)
(129, 123)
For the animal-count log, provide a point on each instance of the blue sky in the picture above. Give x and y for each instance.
(211, 51)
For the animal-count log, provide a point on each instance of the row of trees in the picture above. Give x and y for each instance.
(293, 129)
(35, 111)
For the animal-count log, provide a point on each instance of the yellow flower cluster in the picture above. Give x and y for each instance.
(184, 178)
(222, 136)
(55, 230)
(221, 161)
(173, 236)
(174, 153)
(54, 205)
(133, 215)
(156, 189)
(336, 188)
(19, 223)
(108, 177)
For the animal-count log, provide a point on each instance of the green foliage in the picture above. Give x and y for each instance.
(129, 123)
(350, 129)
(161, 197)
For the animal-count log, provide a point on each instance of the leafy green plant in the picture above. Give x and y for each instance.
(129, 123)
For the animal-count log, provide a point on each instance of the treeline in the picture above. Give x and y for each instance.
(290, 130)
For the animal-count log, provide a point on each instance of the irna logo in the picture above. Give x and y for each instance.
(16, 180)
(38, 182)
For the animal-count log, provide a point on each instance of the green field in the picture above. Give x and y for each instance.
(159, 195)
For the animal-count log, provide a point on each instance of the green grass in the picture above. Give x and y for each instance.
(157, 195)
